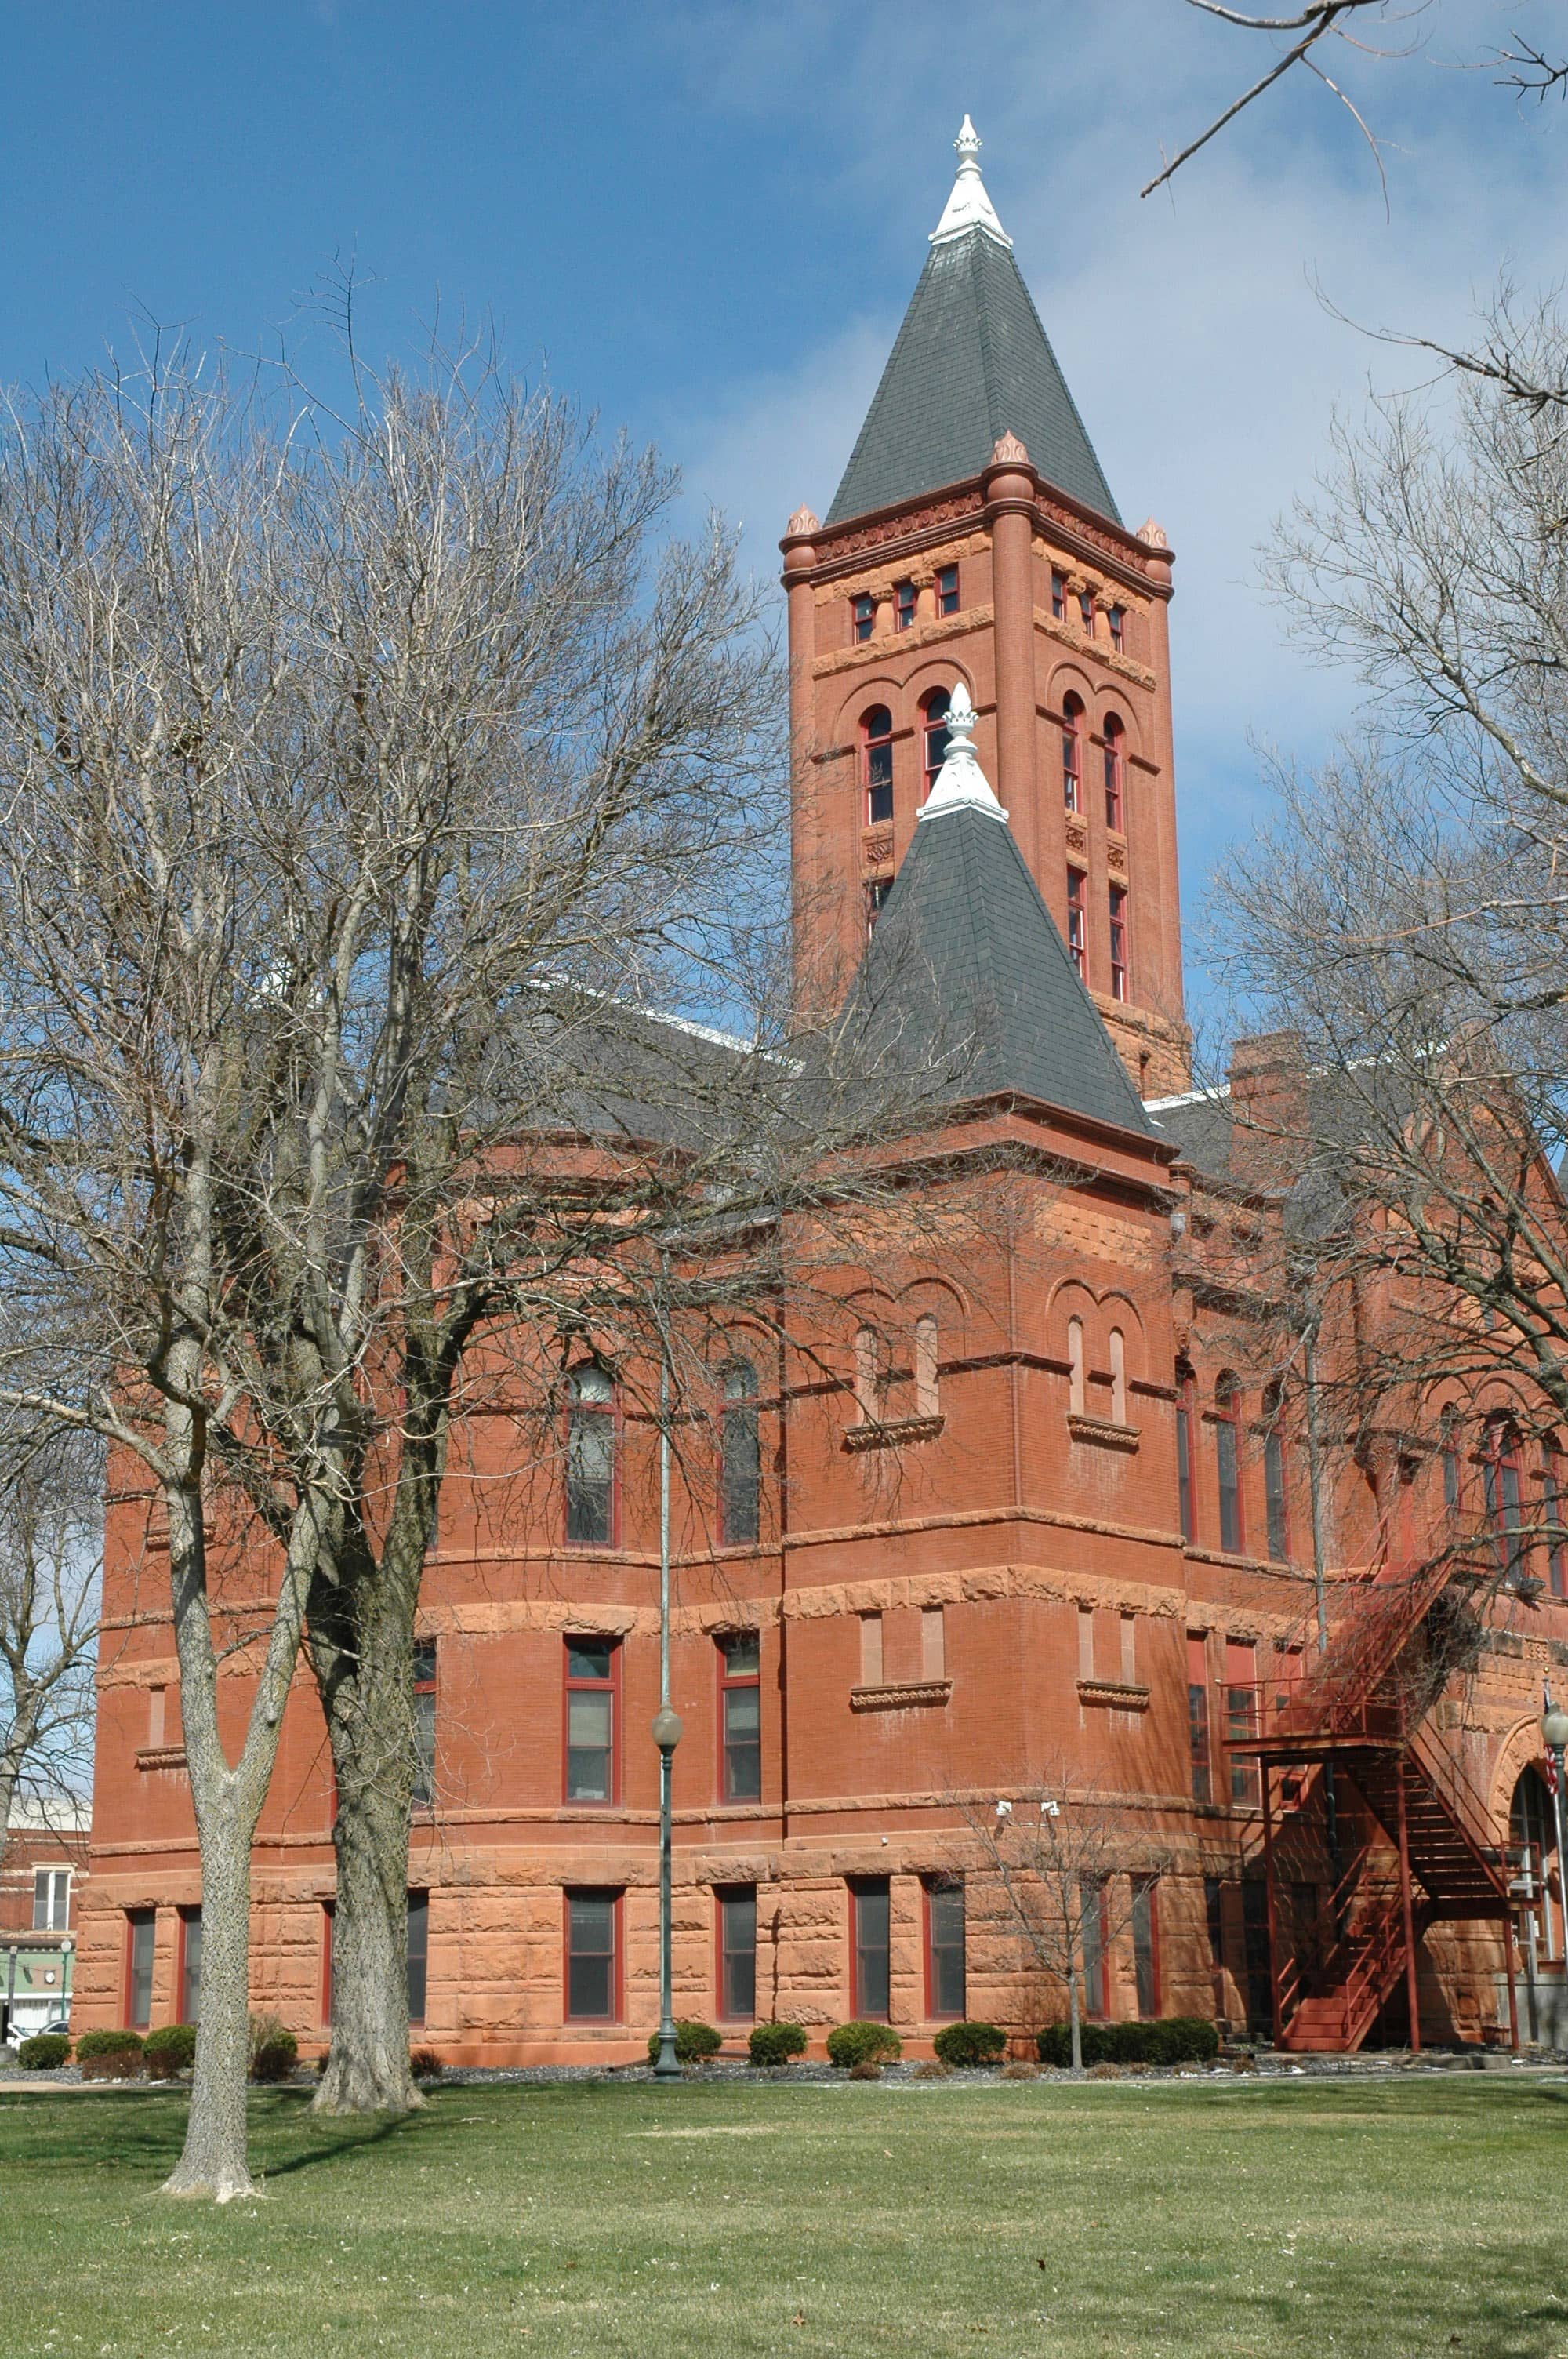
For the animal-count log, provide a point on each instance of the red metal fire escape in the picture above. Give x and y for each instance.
(1358, 1714)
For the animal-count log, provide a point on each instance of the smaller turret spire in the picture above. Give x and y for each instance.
(969, 207)
(960, 783)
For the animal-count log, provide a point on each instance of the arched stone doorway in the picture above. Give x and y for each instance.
(1540, 1904)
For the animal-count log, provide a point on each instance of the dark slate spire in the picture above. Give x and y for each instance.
(967, 980)
(971, 363)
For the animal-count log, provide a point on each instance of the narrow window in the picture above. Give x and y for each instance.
(933, 734)
(1076, 1366)
(1118, 620)
(1086, 1642)
(876, 742)
(424, 1723)
(927, 1401)
(592, 1956)
(51, 1900)
(1505, 1498)
(904, 606)
(877, 891)
(740, 1715)
(1449, 1448)
(1114, 736)
(1077, 885)
(1552, 1518)
(1228, 1460)
(591, 1459)
(1117, 905)
(1058, 596)
(738, 1953)
(157, 1698)
(418, 1953)
(329, 1910)
(871, 1650)
(190, 1966)
(141, 1935)
(1241, 1716)
(1214, 1921)
(1086, 613)
(1118, 1377)
(1197, 1716)
(1274, 1498)
(870, 1375)
(947, 590)
(863, 615)
(1146, 1944)
(933, 1643)
(870, 1910)
(1129, 1650)
(591, 1667)
(740, 1465)
(1072, 754)
(945, 1946)
(1186, 1427)
(1091, 1936)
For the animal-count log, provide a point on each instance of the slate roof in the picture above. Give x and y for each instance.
(968, 980)
(971, 363)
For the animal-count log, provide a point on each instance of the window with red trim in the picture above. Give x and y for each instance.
(1276, 1498)
(876, 762)
(593, 1955)
(1505, 1496)
(862, 616)
(418, 1953)
(876, 891)
(141, 1943)
(190, 1966)
(1146, 1944)
(1114, 736)
(592, 1718)
(947, 590)
(1116, 906)
(424, 1723)
(904, 606)
(1227, 1464)
(870, 1918)
(737, 1933)
(1058, 596)
(934, 733)
(1077, 885)
(590, 1458)
(1449, 1447)
(1072, 754)
(1086, 613)
(1556, 1534)
(1186, 1437)
(741, 1716)
(1118, 621)
(739, 1457)
(1241, 1716)
(1199, 1746)
(1093, 1931)
(945, 1964)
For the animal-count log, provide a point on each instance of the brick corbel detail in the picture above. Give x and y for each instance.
(896, 1435)
(1102, 1431)
(1119, 1695)
(902, 1695)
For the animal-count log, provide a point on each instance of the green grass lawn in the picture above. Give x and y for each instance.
(1352, 2218)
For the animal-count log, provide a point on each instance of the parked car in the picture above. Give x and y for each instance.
(18, 2032)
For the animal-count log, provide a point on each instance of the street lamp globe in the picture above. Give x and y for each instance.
(1554, 1727)
(667, 1729)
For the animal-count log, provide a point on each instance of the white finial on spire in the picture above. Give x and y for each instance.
(961, 784)
(969, 207)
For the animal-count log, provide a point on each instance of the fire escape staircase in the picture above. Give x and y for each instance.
(1361, 1714)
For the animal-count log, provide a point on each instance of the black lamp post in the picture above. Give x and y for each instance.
(666, 1730)
(1554, 1736)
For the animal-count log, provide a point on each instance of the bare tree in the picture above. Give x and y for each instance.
(50, 1557)
(1064, 1870)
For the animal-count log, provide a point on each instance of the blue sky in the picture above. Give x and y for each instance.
(705, 221)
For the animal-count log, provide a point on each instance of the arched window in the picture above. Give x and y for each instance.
(1532, 1833)
(1118, 1377)
(933, 728)
(1505, 1498)
(1186, 1429)
(1077, 888)
(590, 1457)
(1116, 918)
(1552, 1518)
(1072, 753)
(927, 1397)
(870, 1375)
(1275, 1498)
(876, 735)
(1448, 1446)
(1086, 612)
(1115, 736)
(1076, 1366)
(1116, 617)
(739, 1457)
(1227, 1462)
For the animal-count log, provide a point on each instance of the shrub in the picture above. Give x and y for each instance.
(933, 2069)
(170, 2049)
(274, 2049)
(695, 2042)
(45, 2051)
(107, 2043)
(1020, 2070)
(968, 2044)
(866, 2070)
(425, 2064)
(775, 2043)
(1173, 2039)
(849, 2044)
(1104, 2071)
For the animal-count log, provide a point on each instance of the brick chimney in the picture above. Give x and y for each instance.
(1268, 1105)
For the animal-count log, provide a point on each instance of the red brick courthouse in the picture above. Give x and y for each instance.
(1044, 1516)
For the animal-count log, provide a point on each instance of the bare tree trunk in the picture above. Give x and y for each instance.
(213, 2161)
(1075, 2026)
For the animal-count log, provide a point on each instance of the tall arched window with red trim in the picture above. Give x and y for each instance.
(1227, 1462)
(934, 733)
(1115, 736)
(1505, 1496)
(1072, 753)
(876, 739)
(1078, 887)
(1116, 900)
(590, 1458)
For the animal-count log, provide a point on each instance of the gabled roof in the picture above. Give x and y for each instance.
(971, 363)
(967, 973)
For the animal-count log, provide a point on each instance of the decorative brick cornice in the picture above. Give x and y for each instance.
(926, 634)
(1101, 650)
(1103, 1431)
(1117, 1695)
(161, 1756)
(896, 1433)
(901, 1695)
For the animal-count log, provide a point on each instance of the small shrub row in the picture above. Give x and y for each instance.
(694, 2043)
(775, 2043)
(169, 2050)
(1173, 2039)
(110, 2055)
(964, 2045)
(45, 2051)
(849, 2044)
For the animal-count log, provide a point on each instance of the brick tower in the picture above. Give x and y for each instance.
(974, 537)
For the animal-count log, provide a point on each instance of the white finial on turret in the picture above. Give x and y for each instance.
(961, 784)
(969, 207)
